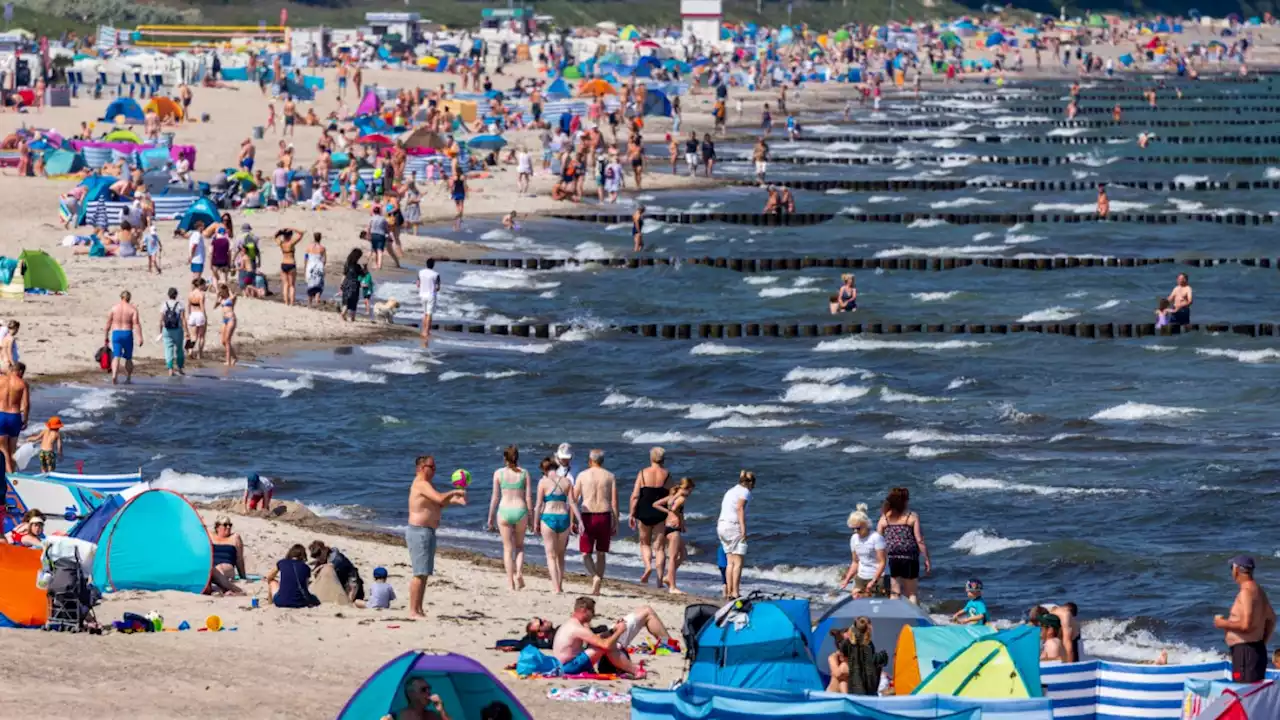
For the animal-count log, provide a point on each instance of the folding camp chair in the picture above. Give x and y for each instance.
(71, 597)
(696, 617)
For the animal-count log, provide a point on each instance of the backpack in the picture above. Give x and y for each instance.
(172, 317)
(251, 247)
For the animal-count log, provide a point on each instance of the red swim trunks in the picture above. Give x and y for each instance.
(597, 531)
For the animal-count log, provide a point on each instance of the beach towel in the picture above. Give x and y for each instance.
(325, 585)
(589, 693)
(7, 268)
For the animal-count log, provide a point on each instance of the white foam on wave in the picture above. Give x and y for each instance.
(945, 143)
(94, 401)
(944, 251)
(779, 292)
(287, 386)
(823, 393)
(859, 342)
(711, 348)
(401, 367)
(637, 437)
(934, 296)
(1006, 412)
(1012, 238)
(826, 375)
(1086, 209)
(959, 203)
(960, 382)
(1067, 132)
(808, 442)
(350, 376)
(986, 542)
(491, 375)
(1115, 639)
(1186, 205)
(1272, 174)
(922, 452)
(503, 280)
(617, 399)
(760, 279)
(956, 481)
(1053, 314)
(703, 411)
(1144, 411)
(916, 436)
(745, 422)
(889, 396)
(855, 449)
(1249, 357)
(877, 199)
(924, 223)
(1092, 160)
(1107, 305)
(195, 485)
(527, 348)
(390, 420)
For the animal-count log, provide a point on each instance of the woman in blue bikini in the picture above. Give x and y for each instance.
(551, 518)
(510, 504)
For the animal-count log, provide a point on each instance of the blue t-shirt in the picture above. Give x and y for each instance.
(976, 608)
(295, 585)
(381, 595)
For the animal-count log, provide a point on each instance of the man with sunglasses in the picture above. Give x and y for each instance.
(423, 704)
(425, 506)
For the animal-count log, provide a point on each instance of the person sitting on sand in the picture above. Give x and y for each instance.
(29, 532)
(423, 704)
(579, 650)
(228, 549)
(347, 574)
(290, 581)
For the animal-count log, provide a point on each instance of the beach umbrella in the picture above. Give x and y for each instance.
(376, 139)
(995, 39)
(429, 62)
(487, 142)
(950, 40)
(628, 33)
(571, 73)
(596, 87)
(1218, 44)
(841, 35)
(124, 136)
(1155, 43)
(648, 45)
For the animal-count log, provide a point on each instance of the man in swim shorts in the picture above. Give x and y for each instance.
(1181, 299)
(598, 491)
(15, 409)
(425, 506)
(122, 321)
(1249, 625)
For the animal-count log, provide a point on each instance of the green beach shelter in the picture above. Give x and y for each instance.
(121, 135)
(43, 272)
(571, 72)
(1097, 21)
(950, 40)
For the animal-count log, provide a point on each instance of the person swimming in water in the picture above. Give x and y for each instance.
(847, 297)
(1181, 297)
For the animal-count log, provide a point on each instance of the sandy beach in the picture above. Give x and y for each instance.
(282, 663)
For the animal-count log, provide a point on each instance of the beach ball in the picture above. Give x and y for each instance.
(461, 478)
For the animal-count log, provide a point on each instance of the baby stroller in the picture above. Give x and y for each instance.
(71, 596)
(695, 618)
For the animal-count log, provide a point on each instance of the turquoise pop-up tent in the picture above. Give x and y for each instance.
(770, 652)
(127, 107)
(155, 542)
(202, 209)
(62, 162)
(465, 688)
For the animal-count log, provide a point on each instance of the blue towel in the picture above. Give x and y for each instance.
(7, 267)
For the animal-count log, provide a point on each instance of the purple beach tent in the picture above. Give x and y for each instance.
(465, 687)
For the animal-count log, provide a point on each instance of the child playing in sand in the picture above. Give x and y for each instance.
(381, 594)
(50, 439)
(1164, 313)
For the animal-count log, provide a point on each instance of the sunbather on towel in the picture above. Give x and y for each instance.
(580, 650)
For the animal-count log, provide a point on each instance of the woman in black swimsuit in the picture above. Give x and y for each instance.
(651, 485)
(848, 296)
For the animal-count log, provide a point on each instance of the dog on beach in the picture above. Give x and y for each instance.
(386, 311)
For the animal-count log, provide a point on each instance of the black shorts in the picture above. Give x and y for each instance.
(904, 568)
(1249, 662)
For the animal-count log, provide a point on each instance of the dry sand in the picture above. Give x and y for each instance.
(283, 663)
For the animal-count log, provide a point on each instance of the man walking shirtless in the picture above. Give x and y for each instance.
(15, 408)
(122, 322)
(599, 492)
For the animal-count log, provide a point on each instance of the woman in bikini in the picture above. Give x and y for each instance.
(673, 506)
(196, 319)
(510, 505)
(554, 516)
(847, 298)
(227, 302)
(288, 240)
(651, 486)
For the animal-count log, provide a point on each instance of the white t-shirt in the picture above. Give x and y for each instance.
(729, 505)
(196, 240)
(866, 549)
(427, 279)
(524, 163)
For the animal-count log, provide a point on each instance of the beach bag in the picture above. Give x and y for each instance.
(172, 316)
(103, 356)
(533, 662)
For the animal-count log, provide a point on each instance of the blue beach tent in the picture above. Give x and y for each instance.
(97, 187)
(770, 652)
(91, 528)
(558, 90)
(465, 687)
(202, 209)
(156, 541)
(128, 107)
(63, 162)
(656, 103)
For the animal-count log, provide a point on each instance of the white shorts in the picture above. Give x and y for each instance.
(731, 539)
(196, 319)
(761, 167)
(428, 304)
(634, 626)
(691, 158)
